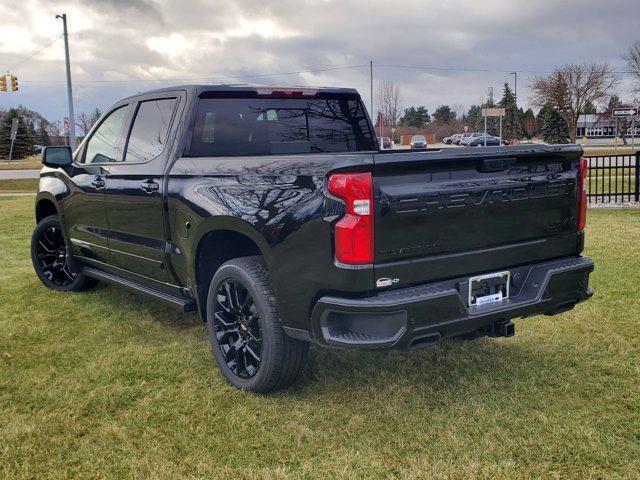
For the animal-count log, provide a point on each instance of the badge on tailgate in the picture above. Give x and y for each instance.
(490, 288)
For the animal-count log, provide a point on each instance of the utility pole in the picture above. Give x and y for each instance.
(72, 118)
(371, 85)
(515, 103)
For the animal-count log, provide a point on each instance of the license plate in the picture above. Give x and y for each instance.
(490, 288)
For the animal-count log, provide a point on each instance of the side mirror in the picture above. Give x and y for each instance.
(57, 156)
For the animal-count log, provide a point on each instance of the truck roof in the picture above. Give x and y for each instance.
(198, 89)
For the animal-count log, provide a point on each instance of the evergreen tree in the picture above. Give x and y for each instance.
(415, 117)
(529, 124)
(444, 114)
(473, 116)
(554, 127)
(23, 145)
(512, 118)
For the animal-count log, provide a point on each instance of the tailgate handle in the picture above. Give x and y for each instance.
(496, 165)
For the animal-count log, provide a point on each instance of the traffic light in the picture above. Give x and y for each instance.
(3, 83)
(14, 83)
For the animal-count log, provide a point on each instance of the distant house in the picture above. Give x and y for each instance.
(594, 126)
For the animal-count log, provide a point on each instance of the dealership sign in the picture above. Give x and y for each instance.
(493, 112)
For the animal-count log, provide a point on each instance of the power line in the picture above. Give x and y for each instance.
(201, 77)
(481, 70)
(274, 74)
(35, 53)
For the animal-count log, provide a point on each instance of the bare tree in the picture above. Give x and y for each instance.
(389, 101)
(87, 120)
(571, 87)
(632, 57)
(54, 128)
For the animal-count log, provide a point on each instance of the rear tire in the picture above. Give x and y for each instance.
(250, 347)
(49, 258)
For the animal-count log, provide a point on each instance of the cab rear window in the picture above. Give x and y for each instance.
(258, 126)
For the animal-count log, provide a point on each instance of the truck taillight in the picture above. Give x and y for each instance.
(354, 231)
(582, 195)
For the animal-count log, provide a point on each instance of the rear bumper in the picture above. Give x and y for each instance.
(421, 315)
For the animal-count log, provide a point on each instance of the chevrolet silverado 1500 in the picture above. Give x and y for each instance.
(273, 214)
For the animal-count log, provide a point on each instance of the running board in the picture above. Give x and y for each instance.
(182, 303)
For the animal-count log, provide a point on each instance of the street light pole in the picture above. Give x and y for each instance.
(72, 118)
(515, 103)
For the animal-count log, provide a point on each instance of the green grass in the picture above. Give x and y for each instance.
(108, 384)
(19, 185)
(34, 161)
(621, 150)
(610, 184)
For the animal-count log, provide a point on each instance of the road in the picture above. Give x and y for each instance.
(18, 174)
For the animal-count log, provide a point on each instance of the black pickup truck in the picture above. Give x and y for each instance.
(273, 214)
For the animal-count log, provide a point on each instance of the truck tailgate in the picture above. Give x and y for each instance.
(461, 211)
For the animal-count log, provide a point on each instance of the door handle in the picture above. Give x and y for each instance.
(98, 183)
(150, 187)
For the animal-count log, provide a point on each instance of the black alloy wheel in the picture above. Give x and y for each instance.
(51, 254)
(251, 348)
(50, 258)
(237, 329)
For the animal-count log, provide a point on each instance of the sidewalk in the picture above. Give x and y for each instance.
(18, 174)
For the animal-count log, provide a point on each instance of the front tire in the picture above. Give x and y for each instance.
(250, 347)
(49, 258)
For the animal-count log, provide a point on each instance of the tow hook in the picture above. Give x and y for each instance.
(502, 329)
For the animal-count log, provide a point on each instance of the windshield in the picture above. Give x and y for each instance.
(417, 138)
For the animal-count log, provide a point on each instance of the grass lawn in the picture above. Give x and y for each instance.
(34, 161)
(108, 384)
(19, 185)
(595, 151)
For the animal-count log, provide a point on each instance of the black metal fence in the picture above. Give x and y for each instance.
(613, 178)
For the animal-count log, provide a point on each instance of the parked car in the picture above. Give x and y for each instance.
(464, 137)
(385, 142)
(464, 142)
(453, 139)
(418, 142)
(458, 140)
(484, 140)
(232, 201)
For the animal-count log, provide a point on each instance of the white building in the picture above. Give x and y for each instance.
(593, 126)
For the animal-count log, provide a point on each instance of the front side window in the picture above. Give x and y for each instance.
(150, 130)
(103, 144)
(248, 126)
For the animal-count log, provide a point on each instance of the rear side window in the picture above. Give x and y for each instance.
(150, 129)
(249, 126)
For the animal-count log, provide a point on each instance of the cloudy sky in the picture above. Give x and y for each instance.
(120, 47)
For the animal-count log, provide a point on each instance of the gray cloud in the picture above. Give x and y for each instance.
(144, 39)
(132, 9)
